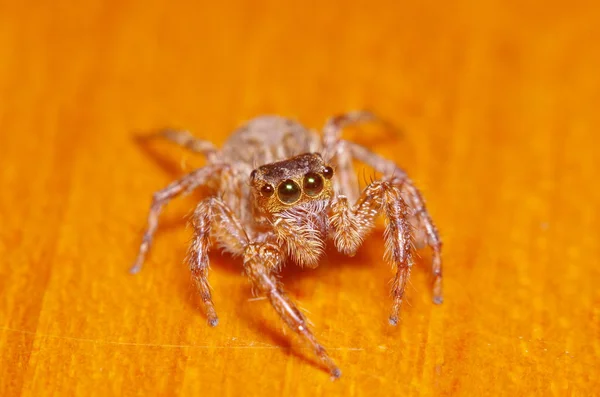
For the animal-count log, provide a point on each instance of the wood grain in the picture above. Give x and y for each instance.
(498, 103)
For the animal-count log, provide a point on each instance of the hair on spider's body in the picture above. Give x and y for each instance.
(280, 193)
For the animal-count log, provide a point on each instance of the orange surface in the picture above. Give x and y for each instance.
(499, 104)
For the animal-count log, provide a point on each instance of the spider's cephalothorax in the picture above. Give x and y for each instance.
(277, 197)
(294, 196)
(283, 184)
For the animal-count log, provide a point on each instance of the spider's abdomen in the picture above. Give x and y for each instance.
(267, 139)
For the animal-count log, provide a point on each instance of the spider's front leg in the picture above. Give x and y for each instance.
(260, 260)
(412, 195)
(352, 224)
(212, 218)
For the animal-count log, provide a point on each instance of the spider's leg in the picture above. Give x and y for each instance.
(398, 240)
(188, 141)
(433, 237)
(335, 149)
(415, 201)
(351, 224)
(333, 127)
(212, 217)
(159, 199)
(259, 260)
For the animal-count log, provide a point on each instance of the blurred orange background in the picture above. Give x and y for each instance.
(498, 103)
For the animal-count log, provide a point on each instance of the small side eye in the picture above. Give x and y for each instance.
(312, 184)
(288, 191)
(267, 190)
(253, 174)
(328, 172)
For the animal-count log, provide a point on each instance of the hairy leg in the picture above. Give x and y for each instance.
(352, 224)
(188, 183)
(398, 244)
(212, 217)
(335, 149)
(433, 237)
(190, 142)
(332, 131)
(259, 261)
(417, 204)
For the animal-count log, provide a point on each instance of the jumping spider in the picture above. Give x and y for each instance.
(299, 196)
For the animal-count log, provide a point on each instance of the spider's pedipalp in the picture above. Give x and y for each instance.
(351, 224)
(302, 231)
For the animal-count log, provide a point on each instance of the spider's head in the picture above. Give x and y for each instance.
(286, 184)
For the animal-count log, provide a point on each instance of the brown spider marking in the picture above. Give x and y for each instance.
(276, 198)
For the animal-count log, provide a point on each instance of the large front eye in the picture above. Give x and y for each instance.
(288, 191)
(313, 184)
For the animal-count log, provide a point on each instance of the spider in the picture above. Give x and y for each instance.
(280, 191)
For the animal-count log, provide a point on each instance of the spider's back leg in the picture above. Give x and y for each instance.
(335, 148)
(188, 141)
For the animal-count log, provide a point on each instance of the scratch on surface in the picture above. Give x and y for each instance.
(251, 345)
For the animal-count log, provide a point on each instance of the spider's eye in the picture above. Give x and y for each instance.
(313, 184)
(253, 174)
(288, 191)
(267, 190)
(328, 172)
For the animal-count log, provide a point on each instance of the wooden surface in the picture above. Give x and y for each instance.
(499, 104)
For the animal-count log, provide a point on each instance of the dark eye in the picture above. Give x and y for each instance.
(267, 190)
(253, 174)
(328, 172)
(288, 191)
(313, 184)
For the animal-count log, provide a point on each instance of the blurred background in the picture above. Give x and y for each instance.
(496, 107)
